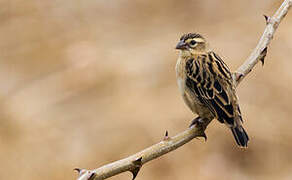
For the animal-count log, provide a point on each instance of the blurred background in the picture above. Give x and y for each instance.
(85, 83)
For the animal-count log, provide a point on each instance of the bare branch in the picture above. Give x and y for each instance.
(260, 51)
(134, 163)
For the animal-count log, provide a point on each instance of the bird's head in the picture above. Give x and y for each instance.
(192, 43)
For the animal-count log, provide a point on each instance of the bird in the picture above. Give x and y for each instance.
(207, 87)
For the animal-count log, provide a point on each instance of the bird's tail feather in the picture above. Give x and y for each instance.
(240, 136)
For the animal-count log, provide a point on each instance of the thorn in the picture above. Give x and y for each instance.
(166, 137)
(267, 18)
(135, 173)
(263, 55)
(238, 75)
(138, 164)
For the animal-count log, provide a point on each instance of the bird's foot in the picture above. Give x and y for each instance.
(203, 135)
(198, 121)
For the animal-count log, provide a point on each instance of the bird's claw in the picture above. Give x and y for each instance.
(203, 135)
(197, 120)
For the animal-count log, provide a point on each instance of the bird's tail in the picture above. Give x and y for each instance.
(240, 136)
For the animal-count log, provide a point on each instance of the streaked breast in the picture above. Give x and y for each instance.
(180, 74)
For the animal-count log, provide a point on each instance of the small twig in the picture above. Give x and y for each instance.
(135, 162)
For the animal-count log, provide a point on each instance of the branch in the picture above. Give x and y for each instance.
(134, 163)
(260, 51)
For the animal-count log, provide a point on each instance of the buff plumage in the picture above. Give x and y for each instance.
(207, 86)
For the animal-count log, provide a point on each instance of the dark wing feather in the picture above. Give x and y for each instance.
(210, 80)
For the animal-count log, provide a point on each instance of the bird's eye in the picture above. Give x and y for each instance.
(193, 42)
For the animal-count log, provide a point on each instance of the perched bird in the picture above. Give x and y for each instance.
(207, 87)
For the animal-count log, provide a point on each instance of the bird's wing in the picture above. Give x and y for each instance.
(210, 80)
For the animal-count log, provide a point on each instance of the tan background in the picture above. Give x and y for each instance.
(84, 83)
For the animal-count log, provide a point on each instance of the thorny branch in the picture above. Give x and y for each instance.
(260, 51)
(134, 163)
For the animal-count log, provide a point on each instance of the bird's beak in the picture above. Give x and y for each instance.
(181, 45)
